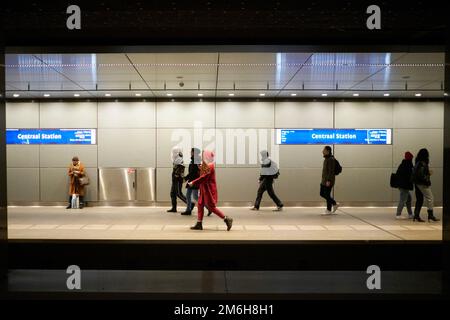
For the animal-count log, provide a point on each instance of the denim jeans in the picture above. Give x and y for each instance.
(191, 193)
(405, 199)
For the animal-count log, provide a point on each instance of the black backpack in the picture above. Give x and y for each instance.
(337, 167)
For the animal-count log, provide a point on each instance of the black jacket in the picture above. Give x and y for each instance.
(194, 173)
(404, 175)
(422, 174)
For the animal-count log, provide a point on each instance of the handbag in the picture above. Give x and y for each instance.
(84, 180)
(394, 180)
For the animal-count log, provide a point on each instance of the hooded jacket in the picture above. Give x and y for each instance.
(404, 175)
(268, 166)
(177, 161)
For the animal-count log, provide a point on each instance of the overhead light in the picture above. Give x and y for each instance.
(356, 94)
(16, 95)
(418, 94)
(76, 95)
(386, 94)
(200, 94)
(231, 94)
(293, 94)
(324, 94)
(138, 94)
(107, 94)
(169, 94)
(46, 95)
(262, 94)
(446, 94)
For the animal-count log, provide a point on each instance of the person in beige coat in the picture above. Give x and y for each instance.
(75, 172)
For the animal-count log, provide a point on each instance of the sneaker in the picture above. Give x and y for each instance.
(400, 218)
(69, 206)
(172, 210)
(335, 207)
(278, 209)
(254, 209)
(411, 216)
(327, 213)
(186, 213)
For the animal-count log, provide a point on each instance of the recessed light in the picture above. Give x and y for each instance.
(386, 94)
(262, 94)
(46, 95)
(293, 94)
(169, 94)
(107, 94)
(200, 94)
(231, 94)
(418, 94)
(446, 94)
(324, 94)
(76, 95)
(138, 94)
(356, 94)
(16, 95)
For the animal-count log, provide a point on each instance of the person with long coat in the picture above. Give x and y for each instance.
(75, 172)
(208, 191)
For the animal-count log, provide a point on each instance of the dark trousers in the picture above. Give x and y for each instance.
(175, 191)
(325, 192)
(419, 202)
(267, 185)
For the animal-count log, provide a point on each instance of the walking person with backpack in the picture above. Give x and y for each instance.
(331, 168)
(269, 172)
(404, 184)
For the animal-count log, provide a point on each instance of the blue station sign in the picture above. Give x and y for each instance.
(334, 136)
(51, 136)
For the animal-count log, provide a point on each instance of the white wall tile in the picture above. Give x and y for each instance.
(22, 115)
(414, 139)
(185, 114)
(419, 115)
(245, 115)
(356, 184)
(23, 184)
(68, 115)
(304, 115)
(299, 184)
(22, 156)
(364, 156)
(364, 114)
(126, 115)
(126, 148)
(301, 156)
(60, 156)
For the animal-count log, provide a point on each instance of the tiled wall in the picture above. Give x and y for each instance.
(140, 134)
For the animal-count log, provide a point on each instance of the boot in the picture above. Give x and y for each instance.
(70, 203)
(417, 217)
(431, 216)
(192, 206)
(186, 213)
(229, 222)
(172, 210)
(198, 226)
(209, 212)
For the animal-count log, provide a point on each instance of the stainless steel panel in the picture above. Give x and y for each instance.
(117, 184)
(145, 182)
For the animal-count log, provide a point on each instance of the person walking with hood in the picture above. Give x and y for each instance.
(208, 191)
(422, 181)
(269, 172)
(76, 172)
(177, 178)
(405, 185)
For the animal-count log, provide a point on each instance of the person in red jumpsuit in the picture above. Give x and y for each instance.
(208, 191)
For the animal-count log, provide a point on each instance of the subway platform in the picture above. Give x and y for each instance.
(154, 223)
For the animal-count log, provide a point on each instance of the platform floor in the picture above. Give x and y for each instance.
(154, 223)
